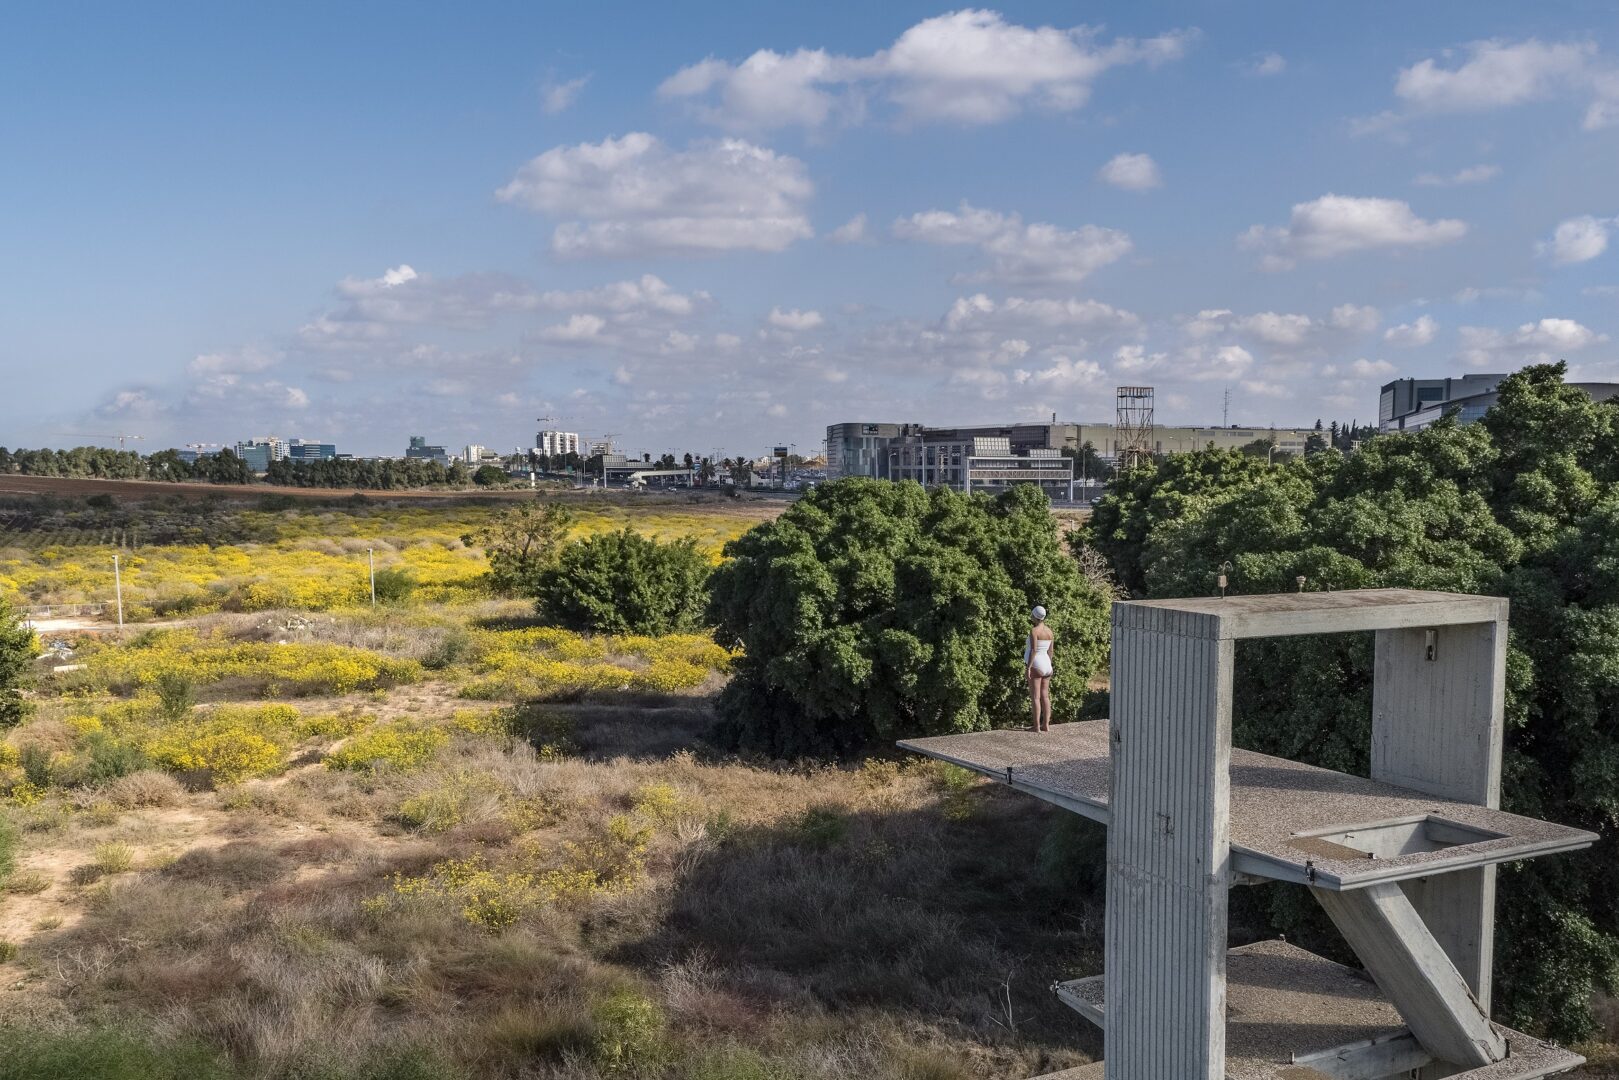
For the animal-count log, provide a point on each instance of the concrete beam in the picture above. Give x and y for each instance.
(1414, 972)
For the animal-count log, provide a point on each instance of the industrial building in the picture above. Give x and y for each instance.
(1413, 404)
(299, 450)
(936, 455)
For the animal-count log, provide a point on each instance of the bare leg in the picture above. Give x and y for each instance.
(1045, 704)
(1034, 699)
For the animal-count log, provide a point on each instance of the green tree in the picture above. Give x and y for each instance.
(521, 543)
(1523, 504)
(625, 583)
(490, 476)
(871, 611)
(18, 648)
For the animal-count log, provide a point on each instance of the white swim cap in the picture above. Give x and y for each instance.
(1039, 613)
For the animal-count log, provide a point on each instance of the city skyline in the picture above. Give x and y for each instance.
(756, 223)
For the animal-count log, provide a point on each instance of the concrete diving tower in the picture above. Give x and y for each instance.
(1403, 863)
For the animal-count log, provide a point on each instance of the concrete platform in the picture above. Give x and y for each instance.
(1292, 1015)
(1289, 822)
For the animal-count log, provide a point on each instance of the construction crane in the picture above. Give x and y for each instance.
(85, 435)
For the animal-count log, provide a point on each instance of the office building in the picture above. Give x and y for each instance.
(419, 448)
(260, 452)
(1413, 404)
(299, 450)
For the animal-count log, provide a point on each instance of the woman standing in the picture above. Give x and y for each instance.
(1037, 651)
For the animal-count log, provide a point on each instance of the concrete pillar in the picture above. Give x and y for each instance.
(1437, 728)
(1168, 846)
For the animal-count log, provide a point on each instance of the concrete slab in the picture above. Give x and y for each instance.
(1287, 614)
(1292, 1015)
(1289, 822)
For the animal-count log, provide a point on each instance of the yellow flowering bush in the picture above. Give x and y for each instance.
(313, 668)
(548, 663)
(229, 756)
(392, 746)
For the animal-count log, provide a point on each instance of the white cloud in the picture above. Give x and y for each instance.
(852, 231)
(1261, 388)
(1275, 329)
(578, 329)
(634, 195)
(795, 319)
(1357, 319)
(1268, 64)
(556, 97)
(1412, 334)
(1132, 172)
(1209, 322)
(1064, 372)
(1370, 369)
(1497, 74)
(969, 312)
(969, 66)
(1533, 342)
(1034, 253)
(1578, 240)
(648, 293)
(1473, 174)
(1336, 225)
(237, 361)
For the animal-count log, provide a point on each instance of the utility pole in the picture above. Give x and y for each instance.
(371, 563)
(607, 446)
(118, 589)
(1225, 410)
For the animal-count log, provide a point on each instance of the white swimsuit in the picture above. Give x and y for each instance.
(1037, 656)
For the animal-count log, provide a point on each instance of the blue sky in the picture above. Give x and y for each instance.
(724, 226)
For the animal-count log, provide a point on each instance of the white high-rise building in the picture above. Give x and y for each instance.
(556, 443)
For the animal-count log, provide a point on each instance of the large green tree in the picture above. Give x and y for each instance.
(521, 543)
(871, 611)
(1523, 504)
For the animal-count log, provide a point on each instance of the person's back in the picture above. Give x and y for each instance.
(1037, 657)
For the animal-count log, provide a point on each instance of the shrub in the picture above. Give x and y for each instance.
(394, 585)
(870, 611)
(623, 582)
(391, 747)
(18, 647)
(630, 1035)
(225, 756)
(113, 857)
(108, 758)
(176, 695)
(145, 788)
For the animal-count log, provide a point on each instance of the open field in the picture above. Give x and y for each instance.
(313, 840)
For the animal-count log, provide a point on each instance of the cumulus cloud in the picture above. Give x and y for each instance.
(635, 196)
(1577, 240)
(1276, 329)
(1533, 342)
(852, 231)
(236, 361)
(1335, 225)
(556, 97)
(1497, 74)
(794, 319)
(1355, 318)
(1473, 174)
(1412, 334)
(971, 312)
(1033, 253)
(578, 329)
(1267, 64)
(969, 67)
(1131, 172)
(1371, 369)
